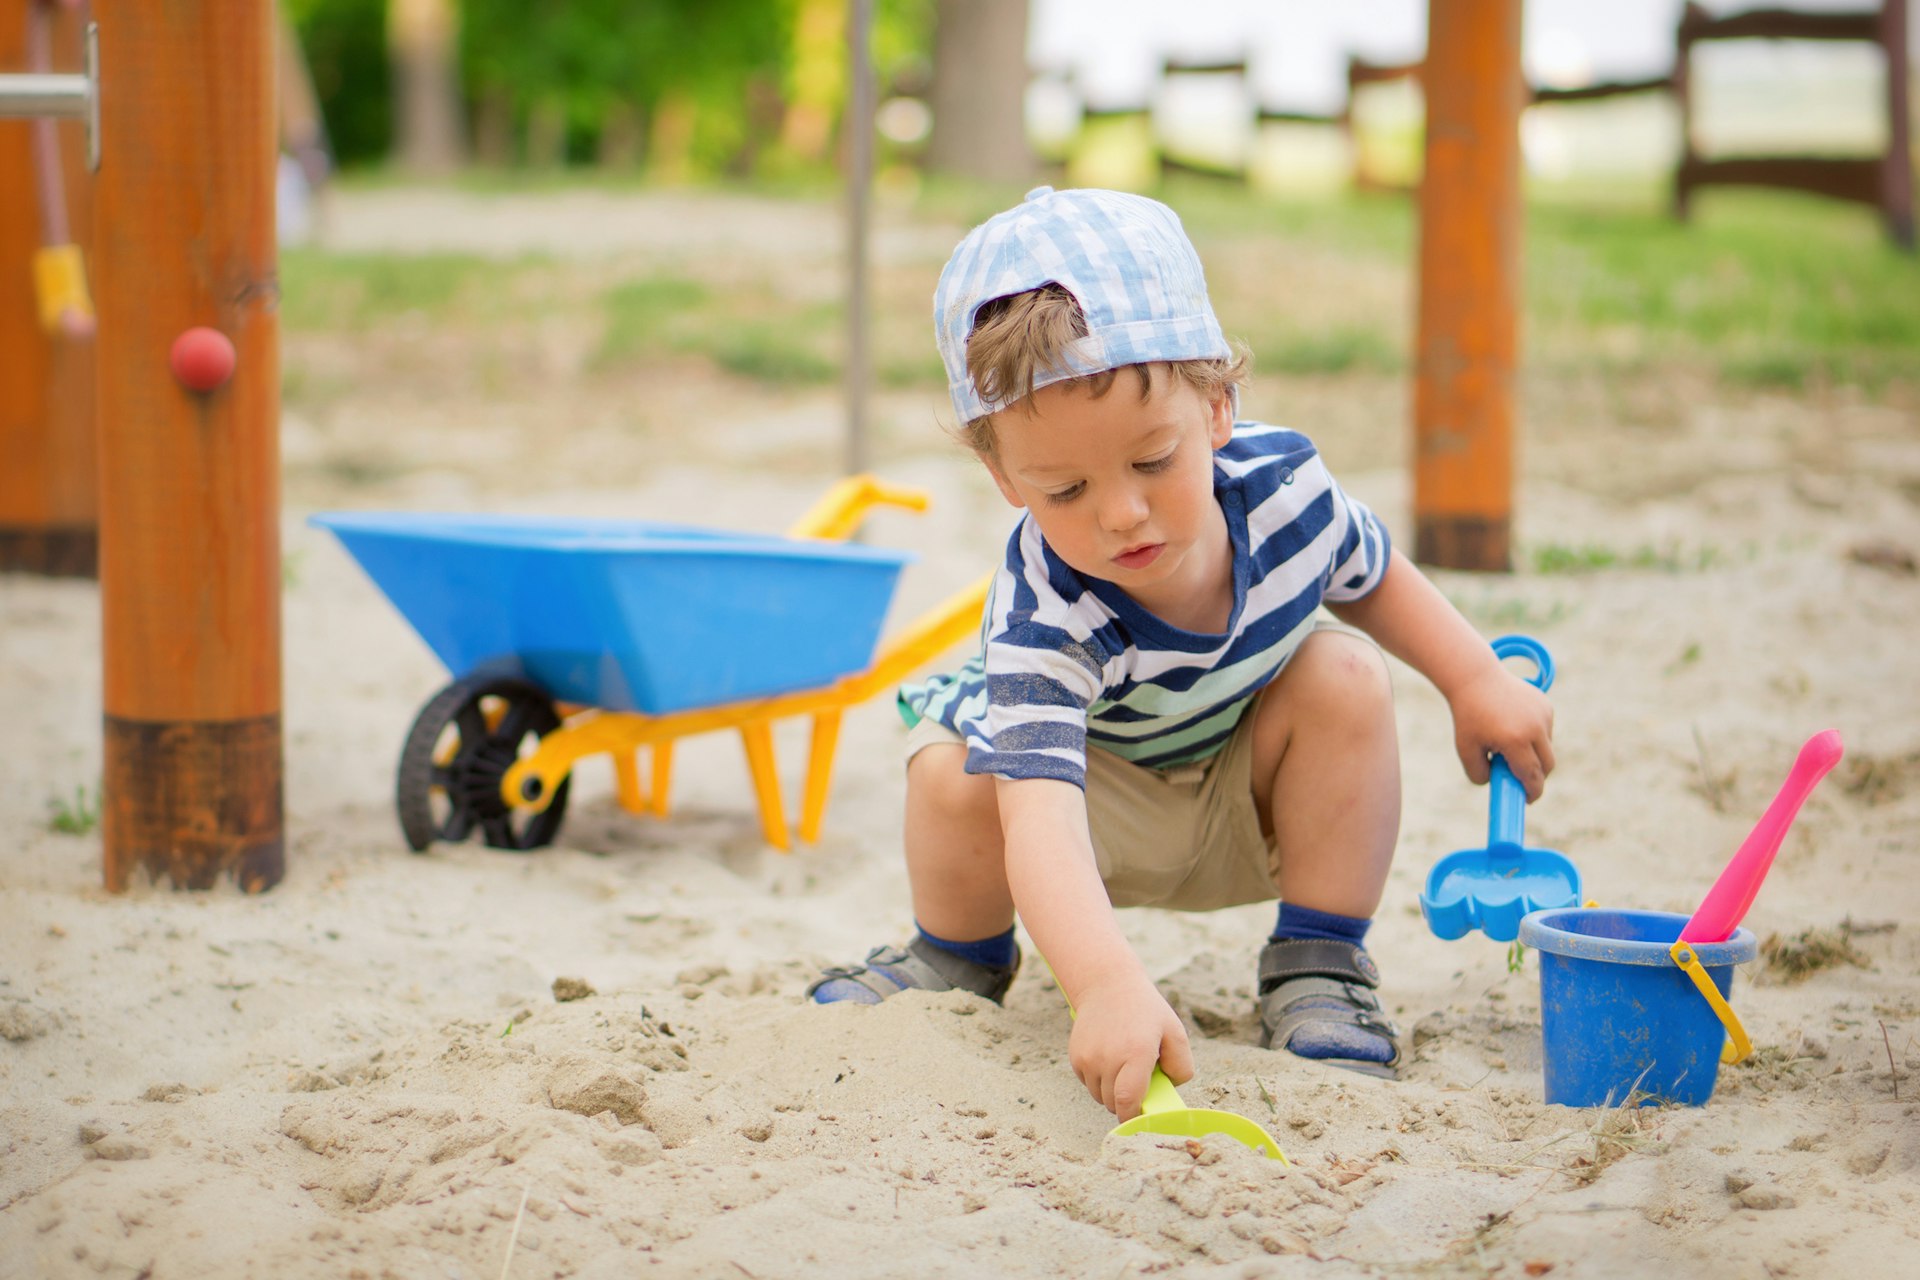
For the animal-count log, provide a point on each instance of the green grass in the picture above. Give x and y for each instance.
(1767, 292)
(320, 290)
(1771, 291)
(650, 313)
(1338, 349)
(744, 332)
(76, 817)
(1553, 558)
(780, 349)
(1774, 291)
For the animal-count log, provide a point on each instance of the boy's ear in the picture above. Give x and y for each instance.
(1001, 482)
(1220, 424)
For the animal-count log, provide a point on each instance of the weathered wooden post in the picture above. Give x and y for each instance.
(48, 490)
(1463, 404)
(189, 414)
(1896, 162)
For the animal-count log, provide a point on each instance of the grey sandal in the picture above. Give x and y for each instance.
(1309, 980)
(921, 966)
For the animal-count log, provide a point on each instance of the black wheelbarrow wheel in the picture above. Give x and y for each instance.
(461, 745)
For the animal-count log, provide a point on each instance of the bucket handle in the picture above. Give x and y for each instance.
(1738, 1046)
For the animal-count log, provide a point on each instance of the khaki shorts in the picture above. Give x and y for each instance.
(1186, 838)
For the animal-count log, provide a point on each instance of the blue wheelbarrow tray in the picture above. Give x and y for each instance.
(627, 615)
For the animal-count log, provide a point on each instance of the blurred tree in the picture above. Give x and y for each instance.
(676, 72)
(687, 87)
(346, 48)
(430, 119)
(816, 78)
(980, 90)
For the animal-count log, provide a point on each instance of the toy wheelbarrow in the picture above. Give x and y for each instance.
(1491, 888)
(571, 637)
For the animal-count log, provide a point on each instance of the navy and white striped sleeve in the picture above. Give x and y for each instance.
(1044, 668)
(1360, 547)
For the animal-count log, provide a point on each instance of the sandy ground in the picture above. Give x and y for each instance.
(366, 1072)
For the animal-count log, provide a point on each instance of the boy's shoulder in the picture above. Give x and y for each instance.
(1255, 446)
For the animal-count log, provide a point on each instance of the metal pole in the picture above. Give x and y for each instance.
(860, 109)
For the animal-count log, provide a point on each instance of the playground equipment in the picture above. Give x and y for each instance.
(572, 638)
(49, 508)
(1492, 888)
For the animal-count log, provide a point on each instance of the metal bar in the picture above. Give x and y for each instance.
(62, 95)
(93, 97)
(859, 126)
(45, 95)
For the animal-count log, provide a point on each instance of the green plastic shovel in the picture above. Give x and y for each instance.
(1162, 1112)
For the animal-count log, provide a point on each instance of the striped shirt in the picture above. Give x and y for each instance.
(1069, 659)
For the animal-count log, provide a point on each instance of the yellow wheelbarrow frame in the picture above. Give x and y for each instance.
(530, 784)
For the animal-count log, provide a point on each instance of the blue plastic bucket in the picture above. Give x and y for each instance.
(1619, 1016)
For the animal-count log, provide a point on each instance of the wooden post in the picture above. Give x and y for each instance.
(189, 521)
(1896, 171)
(49, 498)
(1691, 17)
(1463, 406)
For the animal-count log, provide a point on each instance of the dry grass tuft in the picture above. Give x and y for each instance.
(1811, 950)
(1620, 1132)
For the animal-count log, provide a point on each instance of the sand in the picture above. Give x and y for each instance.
(366, 1071)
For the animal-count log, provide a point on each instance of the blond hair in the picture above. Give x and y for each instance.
(1017, 338)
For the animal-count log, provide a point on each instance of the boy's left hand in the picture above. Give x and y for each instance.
(1498, 712)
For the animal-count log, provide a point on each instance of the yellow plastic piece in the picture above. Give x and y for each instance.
(842, 508)
(662, 778)
(593, 732)
(758, 737)
(60, 285)
(588, 732)
(1738, 1046)
(1165, 1113)
(813, 805)
(626, 781)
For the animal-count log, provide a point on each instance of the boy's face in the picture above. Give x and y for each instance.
(1122, 488)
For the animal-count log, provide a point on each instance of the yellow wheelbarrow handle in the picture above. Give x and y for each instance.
(841, 509)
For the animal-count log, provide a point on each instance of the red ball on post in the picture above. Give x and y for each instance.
(202, 359)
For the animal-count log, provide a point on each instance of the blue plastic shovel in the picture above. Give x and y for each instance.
(1490, 889)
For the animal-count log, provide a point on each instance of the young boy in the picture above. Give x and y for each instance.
(1155, 717)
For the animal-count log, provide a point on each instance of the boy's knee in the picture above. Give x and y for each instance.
(938, 779)
(1344, 668)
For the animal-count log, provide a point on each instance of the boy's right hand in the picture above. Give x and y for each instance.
(1120, 1030)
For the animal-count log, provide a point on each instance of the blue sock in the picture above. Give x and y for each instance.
(1305, 922)
(1329, 1039)
(996, 952)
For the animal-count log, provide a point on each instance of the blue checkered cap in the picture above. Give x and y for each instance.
(1125, 259)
